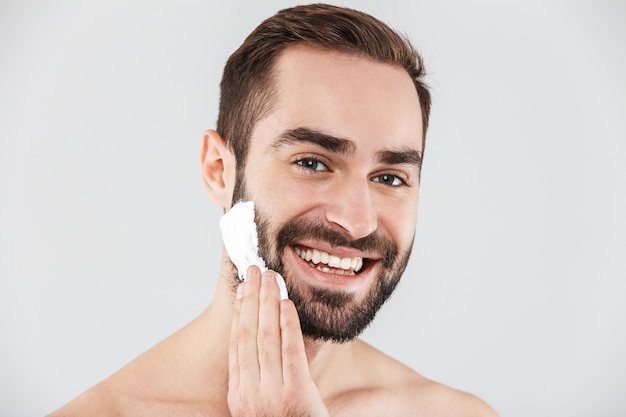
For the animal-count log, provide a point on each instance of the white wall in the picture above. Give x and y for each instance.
(517, 287)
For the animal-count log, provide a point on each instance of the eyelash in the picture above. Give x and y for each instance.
(403, 181)
(313, 159)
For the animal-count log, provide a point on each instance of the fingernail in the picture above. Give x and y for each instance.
(252, 270)
(267, 277)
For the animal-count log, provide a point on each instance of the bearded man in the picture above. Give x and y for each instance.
(322, 122)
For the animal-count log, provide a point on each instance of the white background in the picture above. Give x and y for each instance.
(517, 287)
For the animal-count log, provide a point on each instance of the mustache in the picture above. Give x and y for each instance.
(376, 243)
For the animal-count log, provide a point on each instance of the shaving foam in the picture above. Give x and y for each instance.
(239, 233)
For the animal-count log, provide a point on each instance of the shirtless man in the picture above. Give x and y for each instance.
(323, 115)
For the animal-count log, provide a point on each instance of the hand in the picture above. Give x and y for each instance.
(268, 369)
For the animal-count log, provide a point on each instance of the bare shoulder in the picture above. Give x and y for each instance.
(92, 402)
(435, 399)
(393, 388)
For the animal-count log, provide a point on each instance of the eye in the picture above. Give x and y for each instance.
(389, 180)
(311, 164)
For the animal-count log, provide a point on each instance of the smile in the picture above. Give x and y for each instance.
(325, 262)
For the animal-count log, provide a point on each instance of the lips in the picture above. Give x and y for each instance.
(329, 263)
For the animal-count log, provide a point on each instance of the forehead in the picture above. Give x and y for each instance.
(345, 96)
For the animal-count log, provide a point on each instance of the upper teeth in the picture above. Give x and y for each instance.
(317, 256)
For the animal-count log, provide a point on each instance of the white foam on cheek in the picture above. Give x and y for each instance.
(241, 241)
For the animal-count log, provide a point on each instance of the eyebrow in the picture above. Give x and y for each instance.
(400, 157)
(304, 135)
(405, 156)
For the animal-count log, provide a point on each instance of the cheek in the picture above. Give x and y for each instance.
(284, 192)
(279, 200)
(398, 220)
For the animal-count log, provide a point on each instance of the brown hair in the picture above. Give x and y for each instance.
(247, 84)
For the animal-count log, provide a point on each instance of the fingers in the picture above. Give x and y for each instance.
(295, 365)
(248, 323)
(255, 337)
(233, 356)
(268, 368)
(268, 337)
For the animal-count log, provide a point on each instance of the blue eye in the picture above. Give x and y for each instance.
(312, 164)
(389, 180)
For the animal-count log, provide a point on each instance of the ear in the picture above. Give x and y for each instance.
(218, 168)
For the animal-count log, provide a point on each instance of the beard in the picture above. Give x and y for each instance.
(325, 314)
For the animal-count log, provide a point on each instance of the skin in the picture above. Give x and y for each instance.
(245, 355)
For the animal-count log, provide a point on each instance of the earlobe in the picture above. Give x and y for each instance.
(218, 168)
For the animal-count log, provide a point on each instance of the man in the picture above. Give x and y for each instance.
(323, 115)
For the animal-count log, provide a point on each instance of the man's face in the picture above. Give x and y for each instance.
(333, 170)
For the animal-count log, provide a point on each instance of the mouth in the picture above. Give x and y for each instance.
(330, 263)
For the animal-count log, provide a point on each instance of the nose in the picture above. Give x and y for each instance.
(351, 209)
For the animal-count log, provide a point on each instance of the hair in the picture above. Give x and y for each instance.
(247, 86)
